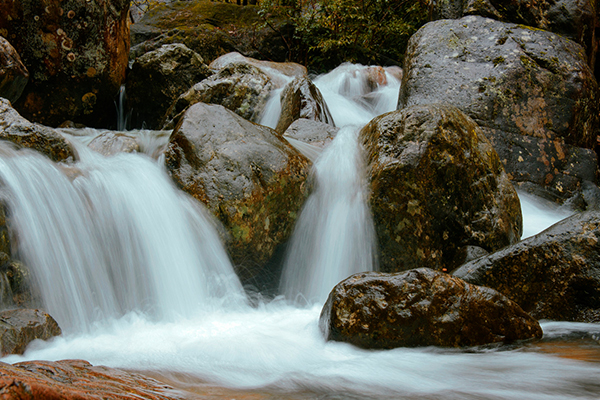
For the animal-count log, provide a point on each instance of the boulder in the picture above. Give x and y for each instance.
(302, 99)
(573, 19)
(110, 143)
(77, 379)
(312, 132)
(13, 74)
(531, 91)
(421, 307)
(553, 275)
(19, 327)
(437, 187)
(251, 179)
(158, 78)
(213, 29)
(76, 53)
(16, 129)
(240, 87)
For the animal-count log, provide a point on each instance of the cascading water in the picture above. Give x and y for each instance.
(124, 211)
(115, 237)
(334, 237)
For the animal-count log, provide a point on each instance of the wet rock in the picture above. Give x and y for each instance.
(110, 143)
(574, 19)
(240, 87)
(302, 99)
(279, 72)
(212, 29)
(76, 53)
(251, 179)
(421, 307)
(553, 275)
(18, 130)
(158, 78)
(312, 132)
(13, 74)
(19, 327)
(530, 90)
(437, 187)
(78, 379)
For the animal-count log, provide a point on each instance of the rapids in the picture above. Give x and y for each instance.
(134, 272)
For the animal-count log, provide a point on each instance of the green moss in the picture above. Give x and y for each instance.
(498, 60)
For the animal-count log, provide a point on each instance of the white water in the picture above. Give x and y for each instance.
(116, 238)
(124, 212)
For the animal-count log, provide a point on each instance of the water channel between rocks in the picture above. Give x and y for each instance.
(197, 332)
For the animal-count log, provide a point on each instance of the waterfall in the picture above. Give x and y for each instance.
(111, 236)
(334, 236)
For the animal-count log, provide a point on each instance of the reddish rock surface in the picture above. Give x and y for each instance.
(77, 379)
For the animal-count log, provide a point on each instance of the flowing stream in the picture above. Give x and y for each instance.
(135, 274)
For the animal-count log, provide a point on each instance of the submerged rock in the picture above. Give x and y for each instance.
(421, 307)
(553, 275)
(110, 143)
(77, 379)
(251, 179)
(20, 131)
(312, 132)
(76, 53)
(13, 74)
(437, 187)
(240, 87)
(531, 91)
(302, 99)
(19, 327)
(156, 80)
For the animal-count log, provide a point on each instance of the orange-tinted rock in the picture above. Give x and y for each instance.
(421, 307)
(21, 326)
(77, 379)
(13, 74)
(76, 53)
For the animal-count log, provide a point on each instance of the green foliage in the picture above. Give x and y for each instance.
(328, 32)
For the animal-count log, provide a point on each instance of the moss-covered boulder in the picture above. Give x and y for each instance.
(531, 91)
(553, 275)
(16, 129)
(76, 53)
(158, 78)
(212, 29)
(437, 187)
(302, 99)
(13, 74)
(240, 87)
(574, 19)
(421, 307)
(251, 179)
(21, 326)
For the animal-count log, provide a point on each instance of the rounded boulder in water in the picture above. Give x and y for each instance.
(421, 307)
(437, 187)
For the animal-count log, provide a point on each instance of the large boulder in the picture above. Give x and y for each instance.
(77, 380)
(76, 53)
(21, 326)
(421, 307)
(158, 78)
(13, 74)
(574, 19)
(437, 188)
(302, 99)
(16, 129)
(531, 91)
(212, 29)
(240, 87)
(553, 275)
(251, 179)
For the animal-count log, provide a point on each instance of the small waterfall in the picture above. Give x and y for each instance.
(334, 236)
(113, 237)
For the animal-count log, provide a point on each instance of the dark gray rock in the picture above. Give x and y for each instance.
(421, 307)
(531, 91)
(13, 74)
